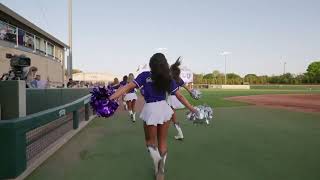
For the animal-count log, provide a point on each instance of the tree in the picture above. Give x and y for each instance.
(74, 71)
(233, 78)
(197, 78)
(208, 76)
(286, 78)
(251, 78)
(313, 72)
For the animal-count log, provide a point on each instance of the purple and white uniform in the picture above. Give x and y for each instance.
(116, 86)
(131, 95)
(173, 100)
(122, 83)
(156, 110)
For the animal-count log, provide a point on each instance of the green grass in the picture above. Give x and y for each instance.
(243, 143)
(216, 98)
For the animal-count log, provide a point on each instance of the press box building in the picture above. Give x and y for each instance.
(21, 37)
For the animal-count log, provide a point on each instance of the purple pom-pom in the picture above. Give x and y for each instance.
(101, 103)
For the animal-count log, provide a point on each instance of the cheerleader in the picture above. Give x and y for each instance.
(172, 99)
(115, 84)
(156, 112)
(123, 83)
(130, 99)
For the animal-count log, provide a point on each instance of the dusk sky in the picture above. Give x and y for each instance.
(118, 36)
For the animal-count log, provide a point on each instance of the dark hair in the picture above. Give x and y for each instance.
(130, 77)
(115, 81)
(160, 72)
(175, 70)
(125, 78)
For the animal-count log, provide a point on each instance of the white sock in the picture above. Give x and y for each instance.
(130, 112)
(155, 155)
(124, 103)
(177, 126)
(163, 159)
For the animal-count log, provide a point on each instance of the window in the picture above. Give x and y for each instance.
(21, 34)
(7, 32)
(50, 50)
(59, 53)
(37, 43)
(3, 30)
(42, 45)
(29, 40)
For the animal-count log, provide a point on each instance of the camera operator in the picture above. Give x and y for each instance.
(19, 69)
(31, 74)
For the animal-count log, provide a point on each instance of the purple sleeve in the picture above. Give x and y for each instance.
(181, 83)
(140, 79)
(174, 87)
(116, 86)
(122, 83)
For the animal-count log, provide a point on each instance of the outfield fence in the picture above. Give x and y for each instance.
(266, 86)
(26, 139)
(286, 87)
(217, 86)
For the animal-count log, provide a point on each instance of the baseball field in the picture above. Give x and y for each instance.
(274, 135)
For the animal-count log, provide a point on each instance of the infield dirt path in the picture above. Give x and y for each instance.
(295, 102)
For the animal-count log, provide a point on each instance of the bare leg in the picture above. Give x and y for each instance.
(174, 116)
(125, 106)
(129, 106)
(133, 104)
(162, 136)
(150, 133)
(131, 113)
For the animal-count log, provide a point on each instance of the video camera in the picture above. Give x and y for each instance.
(18, 65)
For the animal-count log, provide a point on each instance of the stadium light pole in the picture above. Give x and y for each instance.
(69, 68)
(284, 64)
(225, 54)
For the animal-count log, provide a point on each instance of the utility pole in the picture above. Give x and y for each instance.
(284, 67)
(225, 54)
(225, 69)
(69, 66)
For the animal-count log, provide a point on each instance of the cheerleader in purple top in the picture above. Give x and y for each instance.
(123, 83)
(130, 98)
(172, 99)
(115, 84)
(156, 112)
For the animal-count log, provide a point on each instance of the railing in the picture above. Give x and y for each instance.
(25, 139)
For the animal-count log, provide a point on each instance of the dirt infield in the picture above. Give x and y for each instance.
(295, 102)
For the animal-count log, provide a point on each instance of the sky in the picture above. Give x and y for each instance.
(118, 36)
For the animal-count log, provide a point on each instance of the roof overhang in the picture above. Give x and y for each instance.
(21, 19)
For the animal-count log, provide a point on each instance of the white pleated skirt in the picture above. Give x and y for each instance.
(156, 113)
(174, 102)
(130, 97)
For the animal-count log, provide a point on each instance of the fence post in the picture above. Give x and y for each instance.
(13, 152)
(75, 119)
(86, 112)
